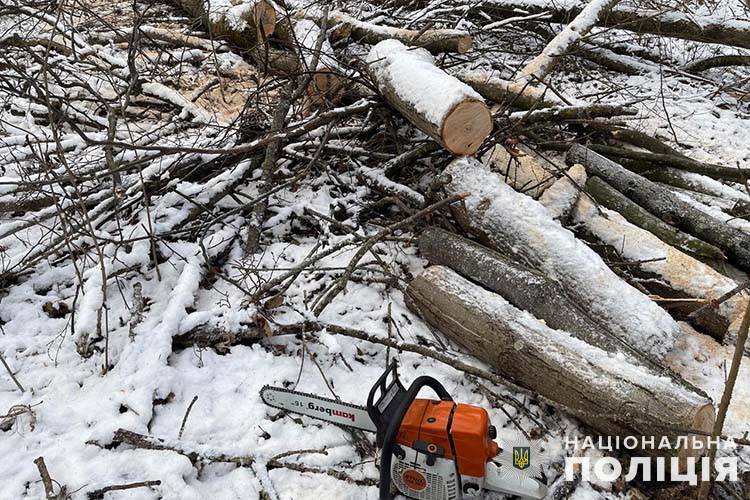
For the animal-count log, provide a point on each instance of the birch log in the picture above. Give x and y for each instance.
(666, 205)
(541, 65)
(521, 227)
(611, 395)
(440, 105)
(672, 273)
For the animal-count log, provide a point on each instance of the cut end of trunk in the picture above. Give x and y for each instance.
(464, 44)
(466, 127)
(703, 421)
(264, 17)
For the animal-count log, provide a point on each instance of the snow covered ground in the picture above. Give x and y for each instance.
(68, 409)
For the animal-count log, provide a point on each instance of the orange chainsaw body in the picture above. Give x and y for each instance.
(458, 432)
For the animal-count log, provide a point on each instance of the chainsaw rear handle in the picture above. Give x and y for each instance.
(393, 424)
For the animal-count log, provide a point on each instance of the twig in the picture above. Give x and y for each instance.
(726, 397)
(99, 494)
(49, 491)
(187, 414)
(13, 377)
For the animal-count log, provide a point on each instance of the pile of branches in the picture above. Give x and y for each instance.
(172, 133)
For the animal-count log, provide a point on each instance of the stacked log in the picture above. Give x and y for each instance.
(611, 395)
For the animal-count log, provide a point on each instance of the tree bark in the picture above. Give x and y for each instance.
(440, 105)
(609, 197)
(506, 92)
(525, 288)
(666, 205)
(520, 227)
(562, 195)
(674, 24)
(612, 396)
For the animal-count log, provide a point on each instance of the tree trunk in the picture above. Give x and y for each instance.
(665, 270)
(673, 24)
(509, 93)
(562, 195)
(522, 228)
(441, 106)
(526, 289)
(666, 205)
(521, 168)
(609, 197)
(612, 396)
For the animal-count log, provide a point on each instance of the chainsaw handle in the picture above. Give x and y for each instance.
(394, 423)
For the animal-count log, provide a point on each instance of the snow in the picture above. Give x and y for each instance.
(412, 74)
(517, 223)
(560, 197)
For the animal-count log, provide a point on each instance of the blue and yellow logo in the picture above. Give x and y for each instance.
(521, 457)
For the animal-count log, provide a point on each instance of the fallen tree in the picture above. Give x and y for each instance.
(440, 105)
(666, 205)
(521, 227)
(672, 24)
(612, 396)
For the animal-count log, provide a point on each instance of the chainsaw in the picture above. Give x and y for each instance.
(430, 449)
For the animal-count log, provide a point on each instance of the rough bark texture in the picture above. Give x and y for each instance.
(607, 196)
(666, 205)
(525, 288)
(522, 228)
(676, 25)
(612, 396)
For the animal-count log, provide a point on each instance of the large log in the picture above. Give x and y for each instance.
(640, 20)
(440, 105)
(666, 205)
(525, 288)
(668, 272)
(611, 395)
(521, 227)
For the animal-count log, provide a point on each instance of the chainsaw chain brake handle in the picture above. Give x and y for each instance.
(388, 411)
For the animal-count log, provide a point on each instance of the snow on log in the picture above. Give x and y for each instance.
(520, 167)
(560, 197)
(434, 40)
(519, 226)
(604, 391)
(676, 274)
(688, 26)
(440, 105)
(562, 113)
(254, 19)
(523, 287)
(666, 205)
(541, 65)
(513, 94)
(609, 197)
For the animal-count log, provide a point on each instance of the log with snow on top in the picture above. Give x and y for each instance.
(603, 390)
(667, 205)
(541, 65)
(668, 271)
(440, 105)
(434, 40)
(521, 227)
(563, 113)
(247, 22)
(523, 287)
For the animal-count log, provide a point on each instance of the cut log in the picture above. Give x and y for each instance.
(434, 40)
(666, 205)
(640, 20)
(611, 395)
(560, 197)
(526, 289)
(611, 198)
(440, 105)
(247, 23)
(563, 113)
(668, 272)
(326, 83)
(521, 168)
(506, 92)
(521, 227)
(539, 67)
